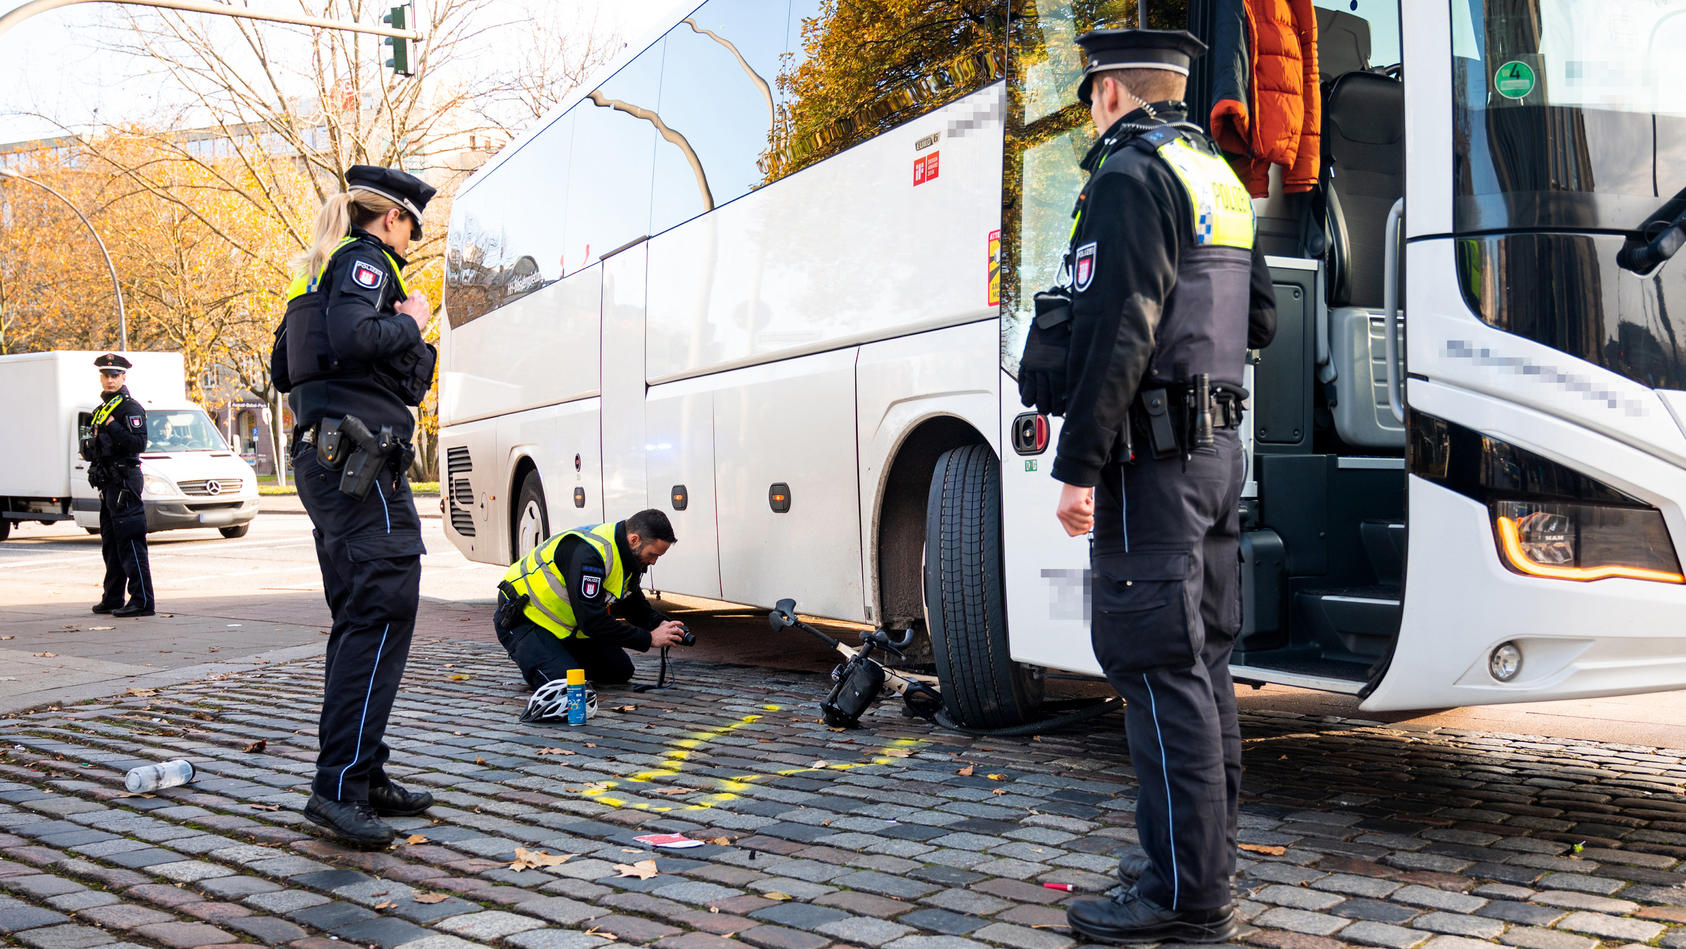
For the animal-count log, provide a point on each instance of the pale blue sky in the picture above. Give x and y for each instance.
(51, 63)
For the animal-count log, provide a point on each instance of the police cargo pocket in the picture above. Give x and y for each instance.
(1144, 612)
(381, 545)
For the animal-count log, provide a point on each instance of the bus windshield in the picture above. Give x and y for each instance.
(181, 430)
(1565, 116)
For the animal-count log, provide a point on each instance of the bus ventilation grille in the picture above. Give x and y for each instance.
(458, 491)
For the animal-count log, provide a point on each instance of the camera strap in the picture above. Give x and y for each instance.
(661, 677)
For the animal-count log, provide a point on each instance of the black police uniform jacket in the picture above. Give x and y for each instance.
(1151, 305)
(120, 435)
(344, 349)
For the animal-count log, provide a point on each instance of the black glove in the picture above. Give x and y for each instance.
(1042, 368)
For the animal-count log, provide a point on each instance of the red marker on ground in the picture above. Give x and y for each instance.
(1058, 886)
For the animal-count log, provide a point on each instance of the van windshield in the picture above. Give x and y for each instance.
(1566, 113)
(181, 430)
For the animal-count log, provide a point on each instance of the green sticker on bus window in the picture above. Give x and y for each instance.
(1514, 80)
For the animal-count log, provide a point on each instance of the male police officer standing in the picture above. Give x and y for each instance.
(351, 356)
(1167, 293)
(112, 452)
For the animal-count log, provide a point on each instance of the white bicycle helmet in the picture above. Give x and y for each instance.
(550, 703)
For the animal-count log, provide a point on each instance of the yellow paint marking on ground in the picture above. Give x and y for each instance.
(674, 764)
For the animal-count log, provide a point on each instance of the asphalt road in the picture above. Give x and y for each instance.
(228, 604)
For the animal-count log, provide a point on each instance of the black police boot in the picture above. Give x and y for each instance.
(1131, 917)
(133, 610)
(354, 821)
(393, 801)
(104, 607)
(1131, 866)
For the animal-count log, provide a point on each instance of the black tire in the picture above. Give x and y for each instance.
(965, 603)
(238, 530)
(529, 512)
(5, 528)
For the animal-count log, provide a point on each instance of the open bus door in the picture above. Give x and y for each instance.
(1544, 464)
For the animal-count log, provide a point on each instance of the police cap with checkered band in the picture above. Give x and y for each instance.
(1105, 50)
(401, 188)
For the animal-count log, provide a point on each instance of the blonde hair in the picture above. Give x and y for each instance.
(334, 222)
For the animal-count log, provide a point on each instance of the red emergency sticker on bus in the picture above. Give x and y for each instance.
(925, 169)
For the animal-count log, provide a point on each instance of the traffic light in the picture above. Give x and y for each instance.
(400, 61)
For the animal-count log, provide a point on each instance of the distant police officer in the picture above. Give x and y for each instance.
(351, 356)
(1167, 292)
(112, 450)
(574, 602)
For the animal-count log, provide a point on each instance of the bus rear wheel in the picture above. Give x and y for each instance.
(531, 523)
(965, 604)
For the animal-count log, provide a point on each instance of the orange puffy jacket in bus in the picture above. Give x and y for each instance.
(1267, 107)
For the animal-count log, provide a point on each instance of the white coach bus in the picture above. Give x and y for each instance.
(771, 276)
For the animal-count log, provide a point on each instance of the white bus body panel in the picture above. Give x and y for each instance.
(625, 491)
(538, 350)
(899, 385)
(790, 422)
(1046, 572)
(679, 450)
(843, 252)
(552, 436)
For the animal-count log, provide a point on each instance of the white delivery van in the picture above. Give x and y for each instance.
(192, 478)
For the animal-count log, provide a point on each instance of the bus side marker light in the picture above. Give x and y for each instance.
(778, 498)
(1585, 542)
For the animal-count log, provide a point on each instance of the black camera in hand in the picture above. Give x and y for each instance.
(686, 637)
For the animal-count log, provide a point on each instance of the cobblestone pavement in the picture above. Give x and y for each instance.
(894, 835)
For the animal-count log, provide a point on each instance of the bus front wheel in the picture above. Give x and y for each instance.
(532, 522)
(965, 604)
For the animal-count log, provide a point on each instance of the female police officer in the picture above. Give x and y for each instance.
(351, 357)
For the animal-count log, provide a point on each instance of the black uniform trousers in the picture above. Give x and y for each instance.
(370, 554)
(1166, 611)
(123, 540)
(541, 656)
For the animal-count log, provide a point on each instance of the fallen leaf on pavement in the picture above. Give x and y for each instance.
(590, 745)
(264, 807)
(673, 791)
(897, 752)
(479, 760)
(430, 898)
(965, 772)
(414, 839)
(818, 766)
(257, 746)
(999, 791)
(46, 655)
(1264, 848)
(626, 708)
(460, 677)
(136, 692)
(776, 896)
(556, 751)
(996, 777)
(643, 869)
(386, 904)
(531, 859)
(720, 841)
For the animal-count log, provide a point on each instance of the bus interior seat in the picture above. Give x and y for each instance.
(1364, 154)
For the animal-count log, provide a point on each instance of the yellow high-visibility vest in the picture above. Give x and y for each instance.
(104, 413)
(540, 579)
(300, 286)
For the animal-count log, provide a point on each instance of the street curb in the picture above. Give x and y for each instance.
(111, 688)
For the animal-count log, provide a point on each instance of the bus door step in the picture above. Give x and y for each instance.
(1354, 624)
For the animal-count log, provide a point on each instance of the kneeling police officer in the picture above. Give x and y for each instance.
(575, 602)
(112, 451)
(1167, 293)
(351, 357)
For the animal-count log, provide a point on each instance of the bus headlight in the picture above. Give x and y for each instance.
(1504, 662)
(1570, 541)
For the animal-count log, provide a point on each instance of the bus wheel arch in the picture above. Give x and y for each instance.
(529, 516)
(965, 595)
(900, 548)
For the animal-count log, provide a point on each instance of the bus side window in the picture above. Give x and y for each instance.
(614, 146)
(720, 88)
